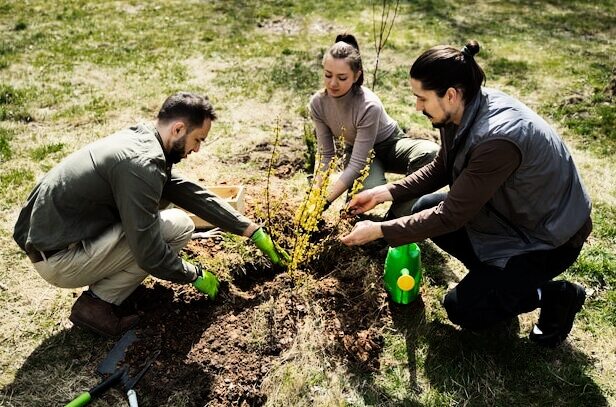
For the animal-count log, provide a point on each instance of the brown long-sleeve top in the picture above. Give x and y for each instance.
(489, 166)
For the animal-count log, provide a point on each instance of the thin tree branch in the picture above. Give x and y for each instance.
(383, 30)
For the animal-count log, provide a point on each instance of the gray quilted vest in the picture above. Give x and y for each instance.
(542, 204)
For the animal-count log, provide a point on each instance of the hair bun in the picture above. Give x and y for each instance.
(471, 48)
(348, 39)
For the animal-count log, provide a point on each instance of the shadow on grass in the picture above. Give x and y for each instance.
(65, 364)
(389, 387)
(497, 367)
(434, 264)
(494, 367)
(408, 320)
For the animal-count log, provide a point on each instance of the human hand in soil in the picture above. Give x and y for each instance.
(363, 232)
(265, 243)
(368, 199)
(206, 282)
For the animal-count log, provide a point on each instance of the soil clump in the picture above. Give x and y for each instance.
(218, 352)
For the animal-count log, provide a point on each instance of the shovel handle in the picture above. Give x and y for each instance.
(81, 400)
(85, 398)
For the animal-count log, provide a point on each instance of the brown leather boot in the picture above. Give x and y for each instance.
(98, 316)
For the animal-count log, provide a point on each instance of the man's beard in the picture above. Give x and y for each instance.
(177, 150)
(442, 123)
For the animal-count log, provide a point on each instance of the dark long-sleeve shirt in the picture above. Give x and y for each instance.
(119, 179)
(489, 166)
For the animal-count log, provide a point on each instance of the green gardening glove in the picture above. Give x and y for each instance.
(264, 242)
(206, 282)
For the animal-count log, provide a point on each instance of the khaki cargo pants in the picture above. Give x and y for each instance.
(106, 263)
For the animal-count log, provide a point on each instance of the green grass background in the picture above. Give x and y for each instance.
(75, 71)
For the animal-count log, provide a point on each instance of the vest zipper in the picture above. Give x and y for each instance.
(499, 215)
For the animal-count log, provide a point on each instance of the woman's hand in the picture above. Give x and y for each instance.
(368, 199)
(363, 232)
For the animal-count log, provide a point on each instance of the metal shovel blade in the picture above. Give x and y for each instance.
(130, 382)
(110, 364)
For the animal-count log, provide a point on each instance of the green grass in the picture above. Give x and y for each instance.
(43, 151)
(11, 104)
(13, 186)
(592, 118)
(6, 151)
(597, 263)
(296, 71)
(75, 71)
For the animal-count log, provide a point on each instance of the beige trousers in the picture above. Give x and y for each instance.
(106, 263)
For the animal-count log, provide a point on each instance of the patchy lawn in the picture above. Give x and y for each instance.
(74, 71)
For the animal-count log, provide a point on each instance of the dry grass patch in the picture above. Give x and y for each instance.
(306, 375)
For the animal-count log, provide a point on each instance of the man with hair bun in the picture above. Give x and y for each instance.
(516, 213)
(95, 220)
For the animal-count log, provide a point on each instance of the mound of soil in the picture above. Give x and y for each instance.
(218, 352)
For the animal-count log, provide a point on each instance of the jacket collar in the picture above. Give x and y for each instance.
(168, 163)
(468, 118)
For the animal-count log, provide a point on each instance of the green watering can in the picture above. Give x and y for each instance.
(402, 274)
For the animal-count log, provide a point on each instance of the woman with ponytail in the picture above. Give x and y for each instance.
(346, 109)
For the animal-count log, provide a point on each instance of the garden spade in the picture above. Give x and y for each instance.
(118, 375)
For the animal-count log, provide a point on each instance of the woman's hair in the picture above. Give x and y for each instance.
(346, 47)
(443, 67)
(188, 106)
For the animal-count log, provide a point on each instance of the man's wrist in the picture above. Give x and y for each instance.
(250, 230)
(378, 232)
(257, 235)
(192, 270)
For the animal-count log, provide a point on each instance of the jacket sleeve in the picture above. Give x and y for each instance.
(194, 198)
(136, 190)
(490, 165)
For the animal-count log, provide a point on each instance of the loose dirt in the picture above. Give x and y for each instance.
(218, 352)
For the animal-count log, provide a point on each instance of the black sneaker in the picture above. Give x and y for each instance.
(561, 300)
